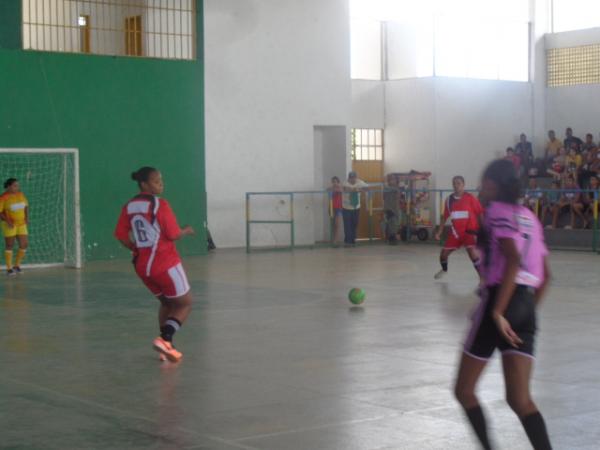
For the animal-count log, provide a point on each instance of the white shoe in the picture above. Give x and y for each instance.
(549, 227)
(568, 227)
(440, 275)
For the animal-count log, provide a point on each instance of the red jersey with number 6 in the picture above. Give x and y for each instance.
(463, 213)
(149, 222)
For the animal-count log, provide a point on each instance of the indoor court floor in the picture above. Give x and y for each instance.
(275, 357)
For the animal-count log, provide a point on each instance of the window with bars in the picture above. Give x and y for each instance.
(147, 28)
(573, 65)
(367, 144)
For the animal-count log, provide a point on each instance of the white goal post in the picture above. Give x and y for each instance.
(49, 178)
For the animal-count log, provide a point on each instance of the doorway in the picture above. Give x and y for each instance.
(367, 161)
(330, 153)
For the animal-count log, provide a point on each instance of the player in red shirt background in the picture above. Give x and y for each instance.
(464, 212)
(148, 227)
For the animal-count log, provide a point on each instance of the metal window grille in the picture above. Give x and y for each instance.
(146, 28)
(573, 65)
(367, 144)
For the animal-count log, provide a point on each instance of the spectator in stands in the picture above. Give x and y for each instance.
(351, 205)
(590, 165)
(551, 199)
(594, 183)
(594, 162)
(588, 146)
(337, 209)
(570, 140)
(573, 162)
(510, 155)
(534, 197)
(569, 201)
(552, 146)
(558, 164)
(391, 209)
(589, 197)
(524, 150)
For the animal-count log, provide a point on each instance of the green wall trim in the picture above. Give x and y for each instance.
(10, 24)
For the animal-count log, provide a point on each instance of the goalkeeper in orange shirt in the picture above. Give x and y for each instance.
(14, 215)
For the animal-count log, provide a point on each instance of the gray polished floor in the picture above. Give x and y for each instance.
(276, 357)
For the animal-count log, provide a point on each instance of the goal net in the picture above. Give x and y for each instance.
(49, 178)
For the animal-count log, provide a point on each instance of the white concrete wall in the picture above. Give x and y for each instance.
(453, 126)
(410, 123)
(540, 13)
(330, 146)
(368, 104)
(575, 106)
(274, 70)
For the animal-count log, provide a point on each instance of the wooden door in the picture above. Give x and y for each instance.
(369, 172)
(133, 36)
(84, 34)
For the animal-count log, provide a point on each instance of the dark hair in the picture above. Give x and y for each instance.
(589, 135)
(142, 175)
(503, 173)
(458, 177)
(335, 178)
(8, 183)
(510, 149)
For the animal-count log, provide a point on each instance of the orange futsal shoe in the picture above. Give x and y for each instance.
(167, 349)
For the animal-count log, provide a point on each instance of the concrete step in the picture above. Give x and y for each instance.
(576, 239)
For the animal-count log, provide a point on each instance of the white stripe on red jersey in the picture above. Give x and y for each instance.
(151, 223)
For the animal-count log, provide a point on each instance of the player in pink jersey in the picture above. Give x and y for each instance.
(515, 275)
(463, 212)
(148, 227)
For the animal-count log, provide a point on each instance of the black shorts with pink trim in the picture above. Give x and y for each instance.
(484, 337)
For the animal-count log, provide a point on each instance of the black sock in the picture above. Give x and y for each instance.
(535, 427)
(169, 329)
(444, 265)
(477, 419)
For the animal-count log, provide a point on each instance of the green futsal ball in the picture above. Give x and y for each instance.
(357, 296)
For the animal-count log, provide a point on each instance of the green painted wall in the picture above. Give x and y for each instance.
(121, 113)
(10, 27)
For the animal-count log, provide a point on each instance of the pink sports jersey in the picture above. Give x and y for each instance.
(153, 229)
(503, 220)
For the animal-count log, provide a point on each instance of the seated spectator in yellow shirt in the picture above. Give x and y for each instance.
(553, 146)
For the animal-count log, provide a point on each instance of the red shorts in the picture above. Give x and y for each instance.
(463, 240)
(171, 284)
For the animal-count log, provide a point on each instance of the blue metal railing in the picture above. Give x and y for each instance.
(410, 200)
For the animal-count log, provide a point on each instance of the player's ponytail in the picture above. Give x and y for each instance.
(142, 175)
(504, 174)
(8, 183)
